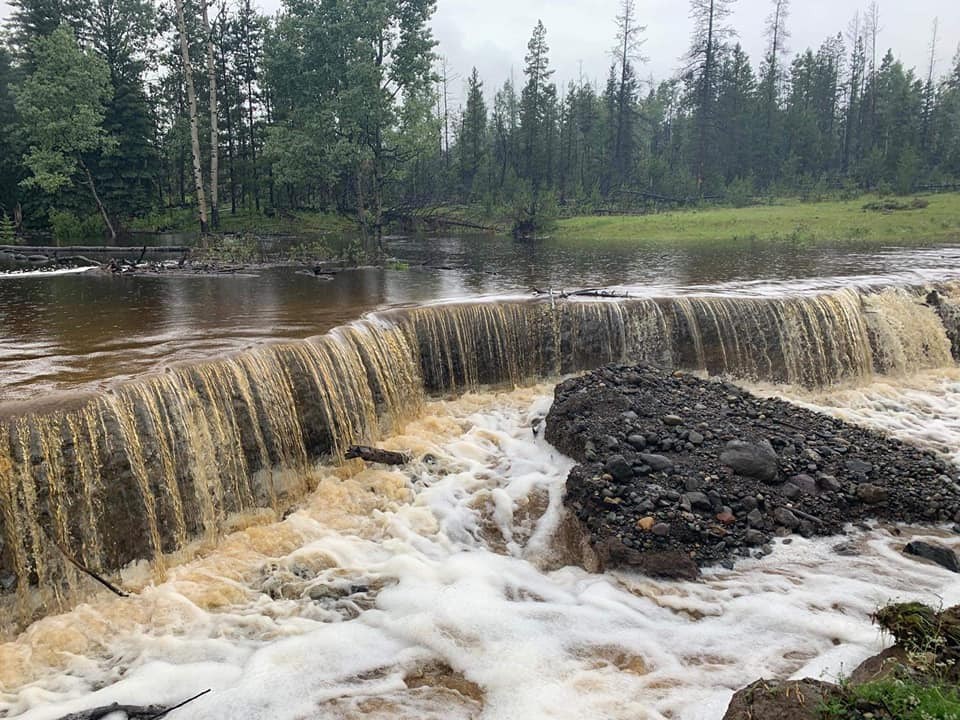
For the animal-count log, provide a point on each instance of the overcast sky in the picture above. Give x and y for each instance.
(492, 34)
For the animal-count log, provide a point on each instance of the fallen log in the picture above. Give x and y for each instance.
(132, 712)
(83, 568)
(376, 455)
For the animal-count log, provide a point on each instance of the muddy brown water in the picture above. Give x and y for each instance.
(87, 331)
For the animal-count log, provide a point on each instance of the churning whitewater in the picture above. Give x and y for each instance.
(440, 591)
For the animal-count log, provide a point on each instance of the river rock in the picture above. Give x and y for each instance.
(756, 460)
(786, 518)
(859, 467)
(872, 494)
(659, 463)
(619, 468)
(939, 554)
(828, 483)
(806, 484)
(782, 700)
(696, 501)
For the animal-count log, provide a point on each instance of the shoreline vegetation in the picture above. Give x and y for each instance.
(312, 238)
(868, 219)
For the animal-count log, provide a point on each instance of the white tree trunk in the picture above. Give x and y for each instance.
(194, 125)
(214, 129)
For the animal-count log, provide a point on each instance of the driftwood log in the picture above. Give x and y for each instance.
(133, 712)
(376, 455)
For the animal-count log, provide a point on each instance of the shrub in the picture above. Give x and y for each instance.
(69, 229)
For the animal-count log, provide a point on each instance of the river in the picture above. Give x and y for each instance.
(441, 589)
(92, 330)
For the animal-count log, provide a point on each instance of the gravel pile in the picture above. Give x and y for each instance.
(677, 472)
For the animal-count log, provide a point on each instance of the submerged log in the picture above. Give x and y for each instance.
(132, 712)
(376, 455)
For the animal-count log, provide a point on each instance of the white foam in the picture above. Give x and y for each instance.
(441, 563)
(18, 274)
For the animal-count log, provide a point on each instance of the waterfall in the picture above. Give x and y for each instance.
(137, 473)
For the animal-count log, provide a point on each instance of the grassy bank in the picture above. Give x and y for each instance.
(789, 222)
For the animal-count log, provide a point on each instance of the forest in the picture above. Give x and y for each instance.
(120, 114)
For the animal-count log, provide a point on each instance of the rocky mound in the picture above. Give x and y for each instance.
(677, 472)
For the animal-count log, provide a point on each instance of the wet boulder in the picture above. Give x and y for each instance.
(753, 460)
(782, 700)
(939, 554)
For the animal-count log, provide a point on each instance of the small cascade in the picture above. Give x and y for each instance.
(138, 473)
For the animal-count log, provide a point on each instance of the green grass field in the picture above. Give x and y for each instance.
(788, 222)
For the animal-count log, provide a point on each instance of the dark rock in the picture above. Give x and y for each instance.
(697, 501)
(619, 468)
(658, 463)
(755, 517)
(828, 483)
(672, 420)
(638, 442)
(8, 581)
(754, 537)
(661, 529)
(755, 460)
(872, 494)
(671, 564)
(846, 550)
(695, 438)
(786, 518)
(782, 700)
(859, 467)
(806, 484)
(790, 491)
(880, 667)
(939, 554)
(610, 443)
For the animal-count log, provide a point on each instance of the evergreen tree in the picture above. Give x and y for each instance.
(624, 115)
(534, 108)
(710, 31)
(121, 32)
(472, 140)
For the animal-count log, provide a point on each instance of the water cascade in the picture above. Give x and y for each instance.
(139, 472)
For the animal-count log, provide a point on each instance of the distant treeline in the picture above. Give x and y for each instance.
(112, 112)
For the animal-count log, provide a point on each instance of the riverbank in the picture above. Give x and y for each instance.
(786, 222)
(300, 222)
(916, 679)
(676, 473)
(867, 220)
